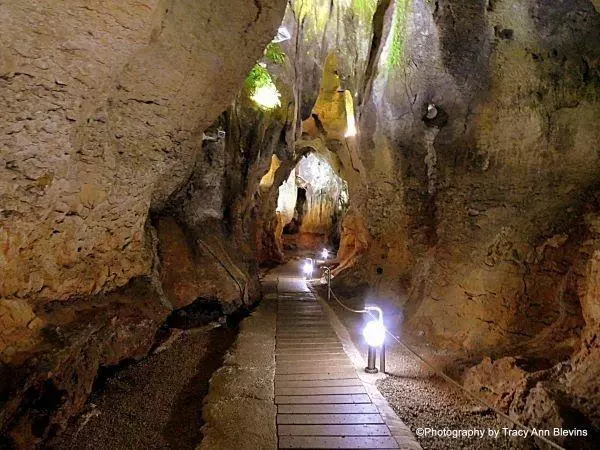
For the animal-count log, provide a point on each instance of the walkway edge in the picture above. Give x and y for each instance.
(239, 410)
(400, 431)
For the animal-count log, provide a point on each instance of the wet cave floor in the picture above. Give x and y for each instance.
(155, 403)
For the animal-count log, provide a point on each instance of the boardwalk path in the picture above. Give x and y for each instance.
(321, 401)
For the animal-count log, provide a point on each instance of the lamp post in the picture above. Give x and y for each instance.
(327, 270)
(308, 268)
(374, 334)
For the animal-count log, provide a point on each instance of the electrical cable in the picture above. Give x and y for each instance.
(447, 377)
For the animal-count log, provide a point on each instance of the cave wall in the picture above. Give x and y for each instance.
(505, 167)
(104, 108)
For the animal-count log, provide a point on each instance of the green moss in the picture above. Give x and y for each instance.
(396, 49)
(274, 53)
(261, 88)
(364, 8)
(315, 13)
(258, 77)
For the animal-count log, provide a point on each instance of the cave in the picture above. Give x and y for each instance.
(169, 170)
(311, 205)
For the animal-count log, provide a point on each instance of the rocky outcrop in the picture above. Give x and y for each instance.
(117, 96)
(104, 108)
(502, 163)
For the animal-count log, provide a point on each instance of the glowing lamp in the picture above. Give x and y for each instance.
(267, 97)
(308, 268)
(325, 253)
(374, 333)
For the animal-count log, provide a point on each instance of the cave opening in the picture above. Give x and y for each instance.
(311, 204)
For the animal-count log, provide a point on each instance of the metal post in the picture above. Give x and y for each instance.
(371, 357)
(382, 359)
(328, 284)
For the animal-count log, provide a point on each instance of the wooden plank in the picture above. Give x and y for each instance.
(294, 364)
(318, 383)
(307, 345)
(307, 348)
(356, 408)
(307, 358)
(316, 399)
(315, 344)
(332, 419)
(282, 369)
(304, 359)
(305, 333)
(355, 442)
(304, 328)
(308, 328)
(315, 336)
(334, 430)
(328, 390)
(309, 351)
(282, 354)
(333, 375)
(297, 340)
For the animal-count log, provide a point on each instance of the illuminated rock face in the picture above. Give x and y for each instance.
(325, 199)
(326, 194)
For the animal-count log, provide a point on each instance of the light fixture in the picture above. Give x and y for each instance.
(325, 253)
(308, 268)
(374, 334)
(267, 97)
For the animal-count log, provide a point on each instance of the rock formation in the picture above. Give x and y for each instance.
(104, 108)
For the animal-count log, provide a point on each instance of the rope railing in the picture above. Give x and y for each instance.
(439, 371)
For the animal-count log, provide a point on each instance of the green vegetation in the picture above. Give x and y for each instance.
(396, 49)
(274, 53)
(259, 82)
(258, 77)
(261, 88)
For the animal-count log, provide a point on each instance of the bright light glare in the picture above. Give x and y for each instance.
(325, 253)
(350, 121)
(351, 130)
(267, 97)
(308, 268)
(374, 333)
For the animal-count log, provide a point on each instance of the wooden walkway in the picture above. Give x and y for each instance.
(321, 402)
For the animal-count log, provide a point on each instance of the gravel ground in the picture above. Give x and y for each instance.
(423, 399)
(153, 404)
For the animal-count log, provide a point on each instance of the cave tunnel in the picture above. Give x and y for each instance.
(171, 172)
(311, 204)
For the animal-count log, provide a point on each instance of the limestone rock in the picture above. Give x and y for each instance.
(116, 95)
